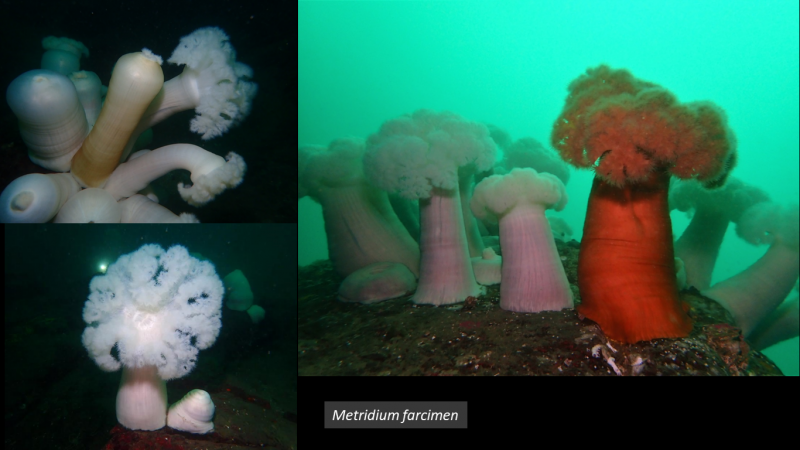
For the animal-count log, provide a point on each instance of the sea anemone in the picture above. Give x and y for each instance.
(193, 413)
(419, 156)
(528, 152)
(158, 309)
(487, 267)
(135, 81)
(212, 83)
(238, 295)
(532, 273)
(89, 89)
(36, 198)
(360, 224)
(63, 55)
(377, 282)
(256, 313)
(712, 210)
(635, 135)
(210, 174)
(51, 119)
(65, 129)
(752, 295)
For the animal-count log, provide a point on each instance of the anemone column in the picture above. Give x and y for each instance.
(533, 276)
(142, 399)
(363, 229)
(626, 267)
(699, 245)
(446, 274)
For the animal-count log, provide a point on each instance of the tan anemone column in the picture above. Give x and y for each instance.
(136, 80)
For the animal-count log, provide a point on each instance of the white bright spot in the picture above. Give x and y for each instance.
(103, 268)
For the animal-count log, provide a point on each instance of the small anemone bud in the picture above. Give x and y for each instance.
(192, 413)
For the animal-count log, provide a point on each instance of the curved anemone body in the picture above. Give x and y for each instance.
(52, 121)
(626, 268)
(62, 55)
(136, 80)
(753, 294)
(699, 245)
(89, 87)
(211, 174)
(36, 198)
(713, 209)
(140, 209)
(91, 205)
(780, 325)
(363, 229)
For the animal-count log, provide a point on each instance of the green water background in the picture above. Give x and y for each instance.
(509, 63)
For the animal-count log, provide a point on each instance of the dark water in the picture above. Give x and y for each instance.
(57, 397)
(257, 31)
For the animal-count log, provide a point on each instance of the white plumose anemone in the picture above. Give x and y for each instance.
(159, 309)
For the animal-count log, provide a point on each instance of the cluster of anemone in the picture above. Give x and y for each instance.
(649, 152)
(429, 161)
(72, 124)
(432, 157)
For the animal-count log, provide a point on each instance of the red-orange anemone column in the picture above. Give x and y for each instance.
(626, 267)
